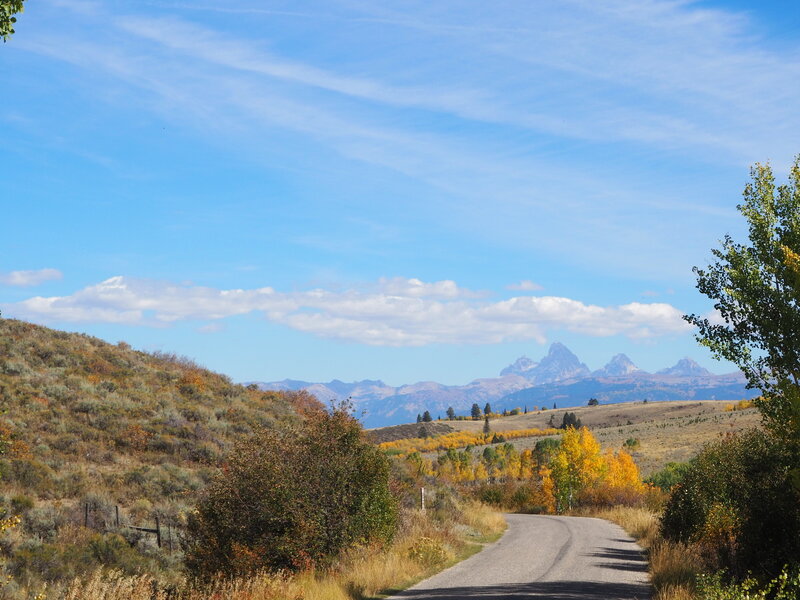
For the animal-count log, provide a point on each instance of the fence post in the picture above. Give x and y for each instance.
(86, 515)
(116, 515)
(422, 497)
(158, 532)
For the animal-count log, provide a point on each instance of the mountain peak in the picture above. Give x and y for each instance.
(559, 363)
(619, 365)
(519, 367)
(685, 367)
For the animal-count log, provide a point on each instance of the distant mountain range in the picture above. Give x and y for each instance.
(559, 378)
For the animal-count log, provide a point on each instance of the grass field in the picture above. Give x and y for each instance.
(667, 431)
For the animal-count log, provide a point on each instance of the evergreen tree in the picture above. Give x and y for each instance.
(476, 412)
(426, 417)
(486, 427)
(419, 418)
(451, 414)
(487, 410)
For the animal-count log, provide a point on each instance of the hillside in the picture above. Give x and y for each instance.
(666, 431)
(94, 426)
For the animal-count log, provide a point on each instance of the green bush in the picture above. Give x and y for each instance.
(668, 477)
(737, 503)
(786, 586)
(292, 498)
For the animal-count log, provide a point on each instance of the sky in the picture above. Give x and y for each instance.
(403, 191)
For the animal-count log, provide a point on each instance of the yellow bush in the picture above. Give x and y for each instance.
(429, 553)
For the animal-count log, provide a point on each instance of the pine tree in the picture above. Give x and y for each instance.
(451, 414)
(426, 417)
(476, 412)
(487, 410)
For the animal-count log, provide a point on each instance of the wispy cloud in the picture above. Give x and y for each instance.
(583, 100)
(398, 312)
(526, 285)
(29, 278)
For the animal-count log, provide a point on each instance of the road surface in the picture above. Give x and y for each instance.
(545, 557)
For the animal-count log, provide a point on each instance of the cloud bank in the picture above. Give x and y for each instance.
(395, 312)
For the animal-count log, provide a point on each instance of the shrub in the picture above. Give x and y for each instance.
(668, 477)
(786, 586)
(737, 503)
(429, 552)
(292, 498)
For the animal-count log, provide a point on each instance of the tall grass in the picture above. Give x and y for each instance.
(426, 543)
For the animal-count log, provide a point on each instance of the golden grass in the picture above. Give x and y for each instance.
(673, 567)
(364, 572)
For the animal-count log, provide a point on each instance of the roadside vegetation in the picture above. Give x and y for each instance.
(123, 474)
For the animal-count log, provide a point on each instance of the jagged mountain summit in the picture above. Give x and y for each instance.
(522, 366)
(618, 366)
(685, 367)
(559, 377)
(559, 364)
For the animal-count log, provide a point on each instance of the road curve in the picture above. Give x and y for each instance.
(545, 557)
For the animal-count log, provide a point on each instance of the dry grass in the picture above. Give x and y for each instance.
(673, 567)
(672, 431)
(364, 572)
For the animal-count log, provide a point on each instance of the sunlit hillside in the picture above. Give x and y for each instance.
(106, 436)
(660, 432)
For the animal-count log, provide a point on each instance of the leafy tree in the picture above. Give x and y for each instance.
(755, 287)
(487, 410)
(575, 465)
(451, 414)
(476, 412)
(570, 420)
(293, 498)
(426, 417)
(9, 8)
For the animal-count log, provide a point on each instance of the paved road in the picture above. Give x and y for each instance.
(545, 557)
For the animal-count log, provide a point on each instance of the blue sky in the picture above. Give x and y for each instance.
(397, 190)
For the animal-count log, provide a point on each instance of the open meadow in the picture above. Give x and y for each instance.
(666, 431)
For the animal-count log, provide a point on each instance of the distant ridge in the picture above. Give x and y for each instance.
(558, 378)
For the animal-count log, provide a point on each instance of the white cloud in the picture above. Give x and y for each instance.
(402, 312)
(526, 285)
(29, 278)
(415, 288)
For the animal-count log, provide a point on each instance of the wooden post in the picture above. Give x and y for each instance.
(116, 515)
(169, 536)
(422, 497)
(86, 515)
(158, 532)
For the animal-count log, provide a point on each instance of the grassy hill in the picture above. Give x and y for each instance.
(95, 429)
(666, 431)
